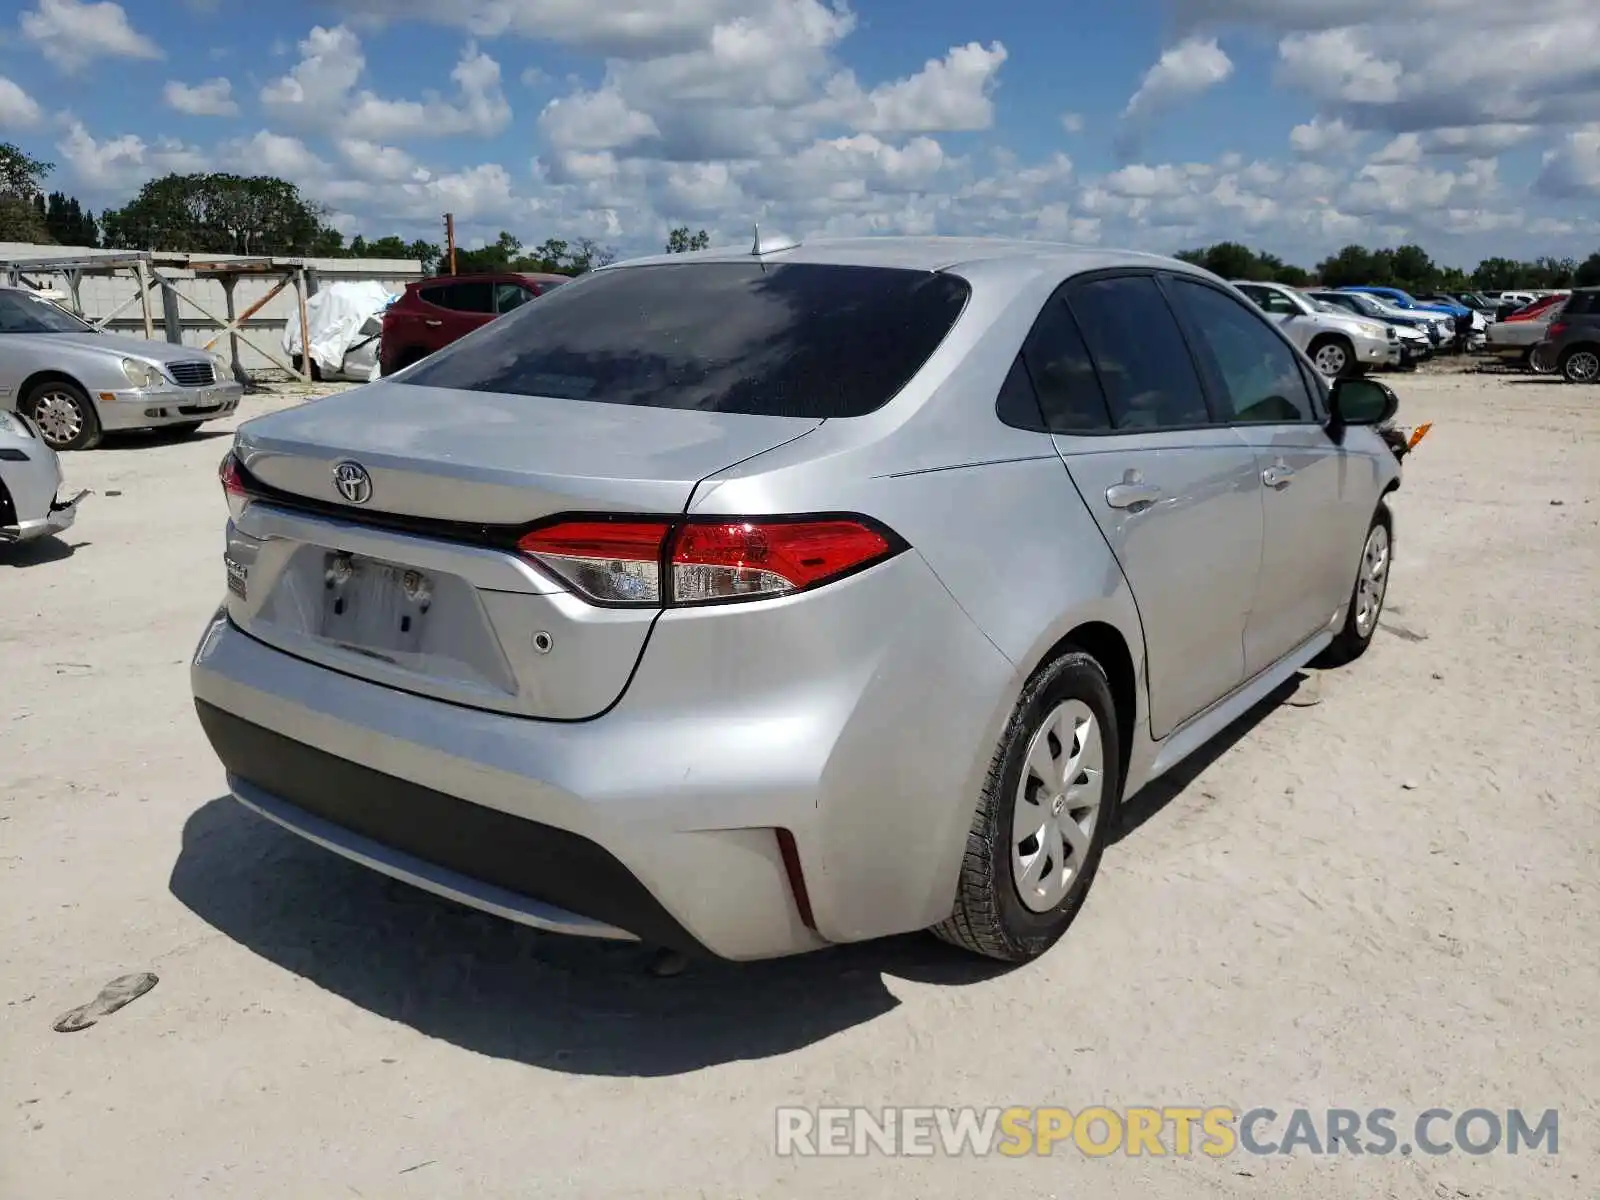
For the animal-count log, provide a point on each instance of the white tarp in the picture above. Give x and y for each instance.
(340, 316)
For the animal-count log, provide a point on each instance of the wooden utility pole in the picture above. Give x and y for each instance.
(450, 238)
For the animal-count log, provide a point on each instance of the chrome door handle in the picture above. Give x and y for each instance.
(434, 323)
(1279, 475)
(1132, 495)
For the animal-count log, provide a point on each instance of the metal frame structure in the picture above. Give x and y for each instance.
(162, 271)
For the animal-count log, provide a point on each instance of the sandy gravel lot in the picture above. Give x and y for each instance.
(1386, 899)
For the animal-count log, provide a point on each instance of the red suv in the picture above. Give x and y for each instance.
(435, 312)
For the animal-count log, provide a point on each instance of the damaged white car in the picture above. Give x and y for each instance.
(30, 484)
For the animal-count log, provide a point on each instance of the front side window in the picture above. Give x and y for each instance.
(1271, 301)
(1139, 354)
(23, 312)
(1259, 373)
(510, 295)
(772, 339)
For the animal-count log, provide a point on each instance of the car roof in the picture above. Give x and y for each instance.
(927, 254)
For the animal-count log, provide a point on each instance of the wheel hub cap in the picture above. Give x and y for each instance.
(1373, 581)
(1584, 366)
(1058, 804)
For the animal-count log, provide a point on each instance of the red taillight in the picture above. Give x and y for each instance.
(233, 485)
(1555, 330)
(750, 558)
(625, 562)
(616, 562)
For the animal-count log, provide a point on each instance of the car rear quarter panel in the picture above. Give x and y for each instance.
(1008, 542)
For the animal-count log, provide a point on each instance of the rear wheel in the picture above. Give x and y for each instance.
(1540, 362)
(1043, 817)
(1581, 364)
(65, 417)
(1334, 357)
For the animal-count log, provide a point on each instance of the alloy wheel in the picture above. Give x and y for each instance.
(1583, 366)
(58, 416)
(1058, 803)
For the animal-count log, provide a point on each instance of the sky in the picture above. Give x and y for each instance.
(1295, 126)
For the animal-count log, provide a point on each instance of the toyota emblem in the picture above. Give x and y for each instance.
(353, 482)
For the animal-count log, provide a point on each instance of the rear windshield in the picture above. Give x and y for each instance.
(795, 340)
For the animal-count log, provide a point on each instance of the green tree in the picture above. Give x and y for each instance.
(1497, 274)
(21, 182)
(588, 255)
(1412, 269)
(681, 241)
(394, 247)
(69, 223)
(1351, 265)
(221, 214)
(1588, 272)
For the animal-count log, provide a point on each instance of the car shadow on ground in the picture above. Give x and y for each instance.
(38, 552)
(143, 439)
(501, 989)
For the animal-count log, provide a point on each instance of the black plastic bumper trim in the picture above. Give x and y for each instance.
(538, 861)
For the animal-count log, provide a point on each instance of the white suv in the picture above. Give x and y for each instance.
(1339, 345)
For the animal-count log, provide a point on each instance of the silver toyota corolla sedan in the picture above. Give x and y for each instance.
(77, 382)
(748, 602)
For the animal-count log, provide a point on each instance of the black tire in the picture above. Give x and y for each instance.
(989, 916)
(1351, 643)
(54, 391)
(1351, 366)
(1578, 364)
(316, 369)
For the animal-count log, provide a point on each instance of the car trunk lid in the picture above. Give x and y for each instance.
(419, 586)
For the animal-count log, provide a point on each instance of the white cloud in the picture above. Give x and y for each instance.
(369, 160)
(213, 98)
(321, 86)
(330, 64)
(268, 153)
(72, 34)
(121, 164)
(1324, 139)
(948, 94)
(18, 110)
(598, 120)
(1572, 169)
(1072, 122)
(1187, 69)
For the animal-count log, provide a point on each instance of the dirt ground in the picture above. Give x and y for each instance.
(1388, 898)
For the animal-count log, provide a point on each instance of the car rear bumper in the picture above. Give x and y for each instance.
(32, 485)
(145, 408)
(864, 739)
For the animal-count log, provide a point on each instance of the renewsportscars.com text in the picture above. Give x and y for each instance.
(1181, 1131)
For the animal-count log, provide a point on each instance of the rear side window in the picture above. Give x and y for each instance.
(1579, 304)
(462, 297)
(788, 340)
(1139, 353)
(1070, 399)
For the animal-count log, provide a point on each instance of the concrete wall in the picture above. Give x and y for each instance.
(101, 294)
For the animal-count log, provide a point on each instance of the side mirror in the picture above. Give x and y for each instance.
(1359, 402)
